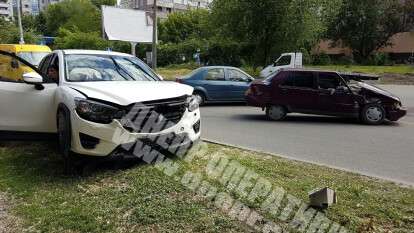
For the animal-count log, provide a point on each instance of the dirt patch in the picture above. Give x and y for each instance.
(399, 79)
(8, 222)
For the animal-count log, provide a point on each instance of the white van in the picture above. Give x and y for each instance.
(286, 60)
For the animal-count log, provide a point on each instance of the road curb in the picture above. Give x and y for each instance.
(379, 178)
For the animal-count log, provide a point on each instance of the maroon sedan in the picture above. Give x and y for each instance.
(324, 93)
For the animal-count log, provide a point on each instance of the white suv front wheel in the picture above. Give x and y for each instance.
(64, 136)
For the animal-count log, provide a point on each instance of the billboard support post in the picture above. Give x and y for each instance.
(133, 46)
(154, 36)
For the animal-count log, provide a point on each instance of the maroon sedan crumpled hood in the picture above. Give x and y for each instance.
(378, 91)
(258, 81)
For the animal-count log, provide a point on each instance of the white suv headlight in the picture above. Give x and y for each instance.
(192, 103)
(97, 112)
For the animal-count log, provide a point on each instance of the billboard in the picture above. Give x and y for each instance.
(126, 25)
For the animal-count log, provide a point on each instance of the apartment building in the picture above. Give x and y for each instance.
(45, 3)
(26, 5)
(165, 7)
(6, 8)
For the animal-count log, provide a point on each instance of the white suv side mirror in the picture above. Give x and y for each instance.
(35, 79)
(32, 78)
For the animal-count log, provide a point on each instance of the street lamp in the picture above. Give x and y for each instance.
(19, 21)
(154, 36)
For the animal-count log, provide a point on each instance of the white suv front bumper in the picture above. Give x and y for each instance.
(112, 136)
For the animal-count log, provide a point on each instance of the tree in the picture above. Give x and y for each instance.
(40, 23)
(9, 33)
(273, 26)
(180, 26)
(8, 29)
(366, 25)
(99, 3)
(408, 18)
(81, 14)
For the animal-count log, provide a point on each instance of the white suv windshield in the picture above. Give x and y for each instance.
(90, 68)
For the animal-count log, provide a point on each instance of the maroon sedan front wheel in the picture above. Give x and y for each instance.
(276, 112)
(373, 114)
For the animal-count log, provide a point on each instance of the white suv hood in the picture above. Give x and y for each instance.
(128, 92)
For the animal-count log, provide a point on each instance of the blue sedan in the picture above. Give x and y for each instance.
(218, 84)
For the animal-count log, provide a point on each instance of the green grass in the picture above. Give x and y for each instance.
(141, 198)
(172, 73)
(397, 69)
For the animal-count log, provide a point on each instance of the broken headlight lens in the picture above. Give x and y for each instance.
(97, 112)
(192, 103)
(397, 105)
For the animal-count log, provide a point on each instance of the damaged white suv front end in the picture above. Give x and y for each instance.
(109, 104)
(101, 127)
(109, 117)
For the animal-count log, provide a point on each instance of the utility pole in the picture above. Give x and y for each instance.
(154, 36)
(19, 21)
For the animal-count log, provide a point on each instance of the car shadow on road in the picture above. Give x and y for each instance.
(307, 119)
(223, 104)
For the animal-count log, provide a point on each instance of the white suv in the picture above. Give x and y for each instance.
(97, 102)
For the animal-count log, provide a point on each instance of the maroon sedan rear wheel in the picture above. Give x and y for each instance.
(276, 112)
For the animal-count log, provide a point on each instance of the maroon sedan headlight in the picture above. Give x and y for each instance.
(249, 91)
(397, 105)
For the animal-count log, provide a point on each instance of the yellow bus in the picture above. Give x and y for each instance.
(31, 53)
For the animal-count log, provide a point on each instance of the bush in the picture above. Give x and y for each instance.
(252, 71)
(307, 56)
(223, 53)
(321, 59)
(377, 59)
(381, 59)
(214, 52)
(170, 53)
(344, 60)
(68, 39)
(9, 33)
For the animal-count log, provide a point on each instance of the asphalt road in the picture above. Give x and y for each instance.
(385, 151)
